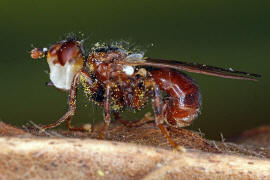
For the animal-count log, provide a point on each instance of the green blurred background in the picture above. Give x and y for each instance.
(220, 33)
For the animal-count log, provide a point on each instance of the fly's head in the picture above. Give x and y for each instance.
(65, 59)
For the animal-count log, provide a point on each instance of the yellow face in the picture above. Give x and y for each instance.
(65, 60)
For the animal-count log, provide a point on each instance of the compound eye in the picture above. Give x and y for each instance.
(38, 53)
(67, 52)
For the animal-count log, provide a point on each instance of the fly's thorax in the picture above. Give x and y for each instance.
(127, 81)
(106, 63)
(65, 59)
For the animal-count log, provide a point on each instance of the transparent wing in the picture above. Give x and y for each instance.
(193, 67)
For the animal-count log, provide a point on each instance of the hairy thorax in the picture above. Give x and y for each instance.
(128, 84)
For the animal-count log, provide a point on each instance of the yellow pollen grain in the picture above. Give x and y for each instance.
(91, 67)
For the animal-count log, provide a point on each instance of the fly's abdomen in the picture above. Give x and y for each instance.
(182, 100)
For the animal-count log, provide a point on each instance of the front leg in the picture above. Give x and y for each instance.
(107, 117)
(71, 103)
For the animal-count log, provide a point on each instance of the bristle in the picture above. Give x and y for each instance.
(74, 36)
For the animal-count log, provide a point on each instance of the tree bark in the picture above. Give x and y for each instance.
(53, 155)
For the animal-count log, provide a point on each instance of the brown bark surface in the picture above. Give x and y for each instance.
(131, 153)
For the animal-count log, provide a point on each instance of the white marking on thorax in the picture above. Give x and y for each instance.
(129, 70)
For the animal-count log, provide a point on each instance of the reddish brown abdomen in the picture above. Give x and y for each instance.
(183, 96)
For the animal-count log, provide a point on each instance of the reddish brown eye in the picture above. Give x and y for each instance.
(67, 52)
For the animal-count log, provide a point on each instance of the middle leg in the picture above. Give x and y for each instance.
(107, 110)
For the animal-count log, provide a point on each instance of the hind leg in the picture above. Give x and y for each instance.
(159, 111)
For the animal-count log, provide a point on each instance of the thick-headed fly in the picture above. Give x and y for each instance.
(116, 79)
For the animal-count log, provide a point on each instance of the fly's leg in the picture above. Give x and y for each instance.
(72, 104)
(82, 129)
(159, 109)
(107, 117)
(147, 117)
(87, 78)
